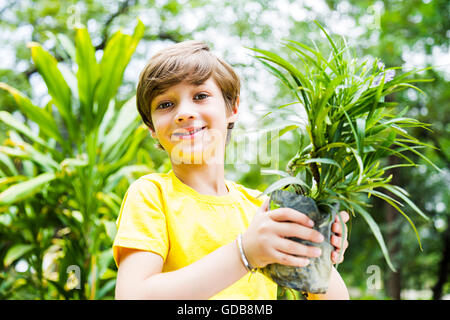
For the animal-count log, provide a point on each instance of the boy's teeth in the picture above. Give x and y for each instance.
(188, 133)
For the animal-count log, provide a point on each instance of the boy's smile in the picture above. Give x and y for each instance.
(187, 133)
(190, 121)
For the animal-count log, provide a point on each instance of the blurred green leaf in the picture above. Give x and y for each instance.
(16, 252)
(34, 113)
(57, 86)
(23, 190)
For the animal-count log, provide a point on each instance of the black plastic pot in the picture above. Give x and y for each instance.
(315, 277)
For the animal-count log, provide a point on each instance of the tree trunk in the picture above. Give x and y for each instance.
(393, 285)
(444, 266)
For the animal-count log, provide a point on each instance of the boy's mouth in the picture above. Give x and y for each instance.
(188, 133)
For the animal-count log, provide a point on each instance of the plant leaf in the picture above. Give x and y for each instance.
(25, 189)
(405, 198)
(277, 172)
(38, 115)
(323, 160)
(87, 75)
(56, 85)
(15, 252)
(282, 183)
(8, 163)
(115, 58)
(376, 232)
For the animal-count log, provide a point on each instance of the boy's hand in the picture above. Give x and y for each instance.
(265, 240)
(336, 240)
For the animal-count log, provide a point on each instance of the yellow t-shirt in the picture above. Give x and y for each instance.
(163, 215)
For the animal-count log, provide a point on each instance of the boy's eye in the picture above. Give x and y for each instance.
(201, 96)
(164, 105)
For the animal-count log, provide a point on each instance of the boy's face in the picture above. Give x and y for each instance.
(191, 121)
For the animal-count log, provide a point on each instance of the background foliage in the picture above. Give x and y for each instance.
(70, 220)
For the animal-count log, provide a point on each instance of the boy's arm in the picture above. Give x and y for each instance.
(139, 276)
(265, 241)
(337, 289)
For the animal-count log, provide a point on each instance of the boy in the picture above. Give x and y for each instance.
(178, 232)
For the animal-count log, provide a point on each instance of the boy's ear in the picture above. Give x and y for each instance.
(152, 133)
(234, 114)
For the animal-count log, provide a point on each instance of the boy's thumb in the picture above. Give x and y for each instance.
(265, 205)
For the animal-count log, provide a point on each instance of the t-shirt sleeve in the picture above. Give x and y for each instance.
(256, 196)
(142, 223)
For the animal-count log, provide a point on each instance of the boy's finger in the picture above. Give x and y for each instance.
(294, 248)
(337, 242)
(336, 228)
(288, 214)
(344, 215)
(289, 229)
(335, 257)
(265, 206)
(290, 260)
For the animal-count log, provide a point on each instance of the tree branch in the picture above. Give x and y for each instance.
(123, 8)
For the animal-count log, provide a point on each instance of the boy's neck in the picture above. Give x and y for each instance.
(205, 179)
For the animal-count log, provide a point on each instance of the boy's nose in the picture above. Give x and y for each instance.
(185, 112)
(184, 116)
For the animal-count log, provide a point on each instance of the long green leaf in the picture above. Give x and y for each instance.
(45, 160)
(38, 115)
(419, 154)
(56, 85)
(16, 252)
(395, 190)
(126, 171)
(361, 132)
(67, 45)
(283, 183)
(406, 217)
(283, 131)
(115, 58)
(323, 160)
(107, 121)
(15, 124)
(277, 172)
(125, 123)
(376, 232)
(298, 77)
(25, 189)
(360, 165)
(87, 75)
(8, 163)
(319, 57)
(332, 145)
(280, 76)
(127, 152)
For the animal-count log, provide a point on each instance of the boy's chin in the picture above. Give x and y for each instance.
(196, 154)
(203, 150)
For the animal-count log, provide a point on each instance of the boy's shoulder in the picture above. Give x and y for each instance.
(155, 176)
(249, 193)
(163, 182)
(154, 180)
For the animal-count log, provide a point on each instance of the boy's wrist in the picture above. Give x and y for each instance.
(242, 255)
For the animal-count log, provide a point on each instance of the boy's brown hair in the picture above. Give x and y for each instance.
(190, 61)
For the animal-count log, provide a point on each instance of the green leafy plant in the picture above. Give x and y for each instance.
(65, 169)
(350, 126)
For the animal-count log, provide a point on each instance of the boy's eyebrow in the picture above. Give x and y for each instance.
(162, 92)
(159, 95)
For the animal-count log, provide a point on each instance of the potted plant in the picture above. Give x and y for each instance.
(350, 130)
